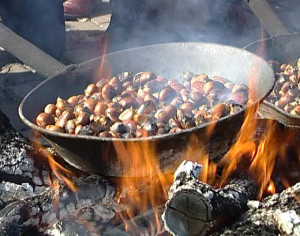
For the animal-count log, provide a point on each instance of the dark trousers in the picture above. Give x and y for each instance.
(39, 21)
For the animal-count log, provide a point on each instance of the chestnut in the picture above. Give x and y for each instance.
(90, 89)
(118, 127)
(128, 102)
(113, 113)
(219, 110)
(50, 109)
(127, 114)
(100, 108)
(147, 107)
(125, 76)
(164, 114)
(143, 77)
(70, 127)
(73, 100)
(167, 94)
(83, 118)
(44, 119)
(55, 128)
(108, 91)
(63, 119)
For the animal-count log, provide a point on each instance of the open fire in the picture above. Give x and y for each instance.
(262, 161)
(264, 151)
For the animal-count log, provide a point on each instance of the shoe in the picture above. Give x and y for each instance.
(74, 9)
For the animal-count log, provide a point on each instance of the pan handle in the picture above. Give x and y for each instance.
(267, 17)
(29, 53)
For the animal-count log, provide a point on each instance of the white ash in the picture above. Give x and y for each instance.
(288, 222)
(192, 169)
(48, 208)
(62, 213)
(15, 159)
(46, 179)
(54, 230)
(37, 180)
(71, 208)
(39, 189)
(254, 204)
(11, 159)
(106, 212)
(10, 192)
(23, 189)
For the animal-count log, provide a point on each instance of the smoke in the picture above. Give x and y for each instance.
(143, 22)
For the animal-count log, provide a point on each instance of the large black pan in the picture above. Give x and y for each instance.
(281, 46)
(289, 54)
(97, 154)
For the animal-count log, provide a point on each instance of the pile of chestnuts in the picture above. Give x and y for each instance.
(286, 92)
(144, 104)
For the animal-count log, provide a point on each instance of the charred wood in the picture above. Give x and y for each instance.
(16, 157)
(278, 214)
(39, 213)
(20, 175)
(31, 204)
(195, 208)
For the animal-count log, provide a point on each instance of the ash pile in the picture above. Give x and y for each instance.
(34, 202)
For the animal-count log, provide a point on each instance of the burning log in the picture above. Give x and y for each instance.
(278, 214)
(194, 207)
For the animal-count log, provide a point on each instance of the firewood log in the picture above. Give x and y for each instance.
(278, 214)
(194, 207)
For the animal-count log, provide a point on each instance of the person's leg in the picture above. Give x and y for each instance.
(39, 21)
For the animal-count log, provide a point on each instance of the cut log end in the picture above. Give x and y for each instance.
(188, 214)
(194, 207)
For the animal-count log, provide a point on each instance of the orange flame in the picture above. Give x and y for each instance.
(62, 173)
(104, 70)
(271, 187)
(196, 152)
(259, 156)
(143, 177)
(59, 171)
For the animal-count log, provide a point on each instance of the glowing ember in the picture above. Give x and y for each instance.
(271, 188)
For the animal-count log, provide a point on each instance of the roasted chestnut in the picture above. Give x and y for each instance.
(144, 104)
